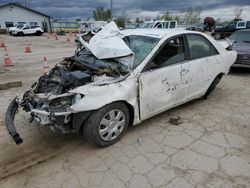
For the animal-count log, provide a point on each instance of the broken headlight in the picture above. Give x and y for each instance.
(62, 104)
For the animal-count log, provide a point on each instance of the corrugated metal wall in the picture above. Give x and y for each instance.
(17, 14)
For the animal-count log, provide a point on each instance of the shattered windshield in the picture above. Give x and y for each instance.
(141, 46)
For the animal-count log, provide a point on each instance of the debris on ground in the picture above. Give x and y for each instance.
(9, 85)
(140, 141)
(175, 121)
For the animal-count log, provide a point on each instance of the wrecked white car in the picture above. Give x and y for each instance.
(120, 78)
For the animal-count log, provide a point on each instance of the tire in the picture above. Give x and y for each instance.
(20, 34)
(102, 130)
(212, 87)
(38, 33)
(217, 36)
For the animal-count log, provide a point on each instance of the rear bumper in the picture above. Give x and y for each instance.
(9, 120)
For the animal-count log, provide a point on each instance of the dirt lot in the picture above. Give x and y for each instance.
(205, 143)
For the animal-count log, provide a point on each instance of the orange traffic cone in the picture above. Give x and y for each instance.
(2, 45)
(7, 60)
(68, 39)
(27, 48)
(45, 66)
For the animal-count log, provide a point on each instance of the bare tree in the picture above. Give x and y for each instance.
(237, 13)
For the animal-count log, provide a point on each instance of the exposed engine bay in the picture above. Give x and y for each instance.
(48, 101)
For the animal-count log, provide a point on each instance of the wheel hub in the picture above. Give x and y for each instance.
(111, 125)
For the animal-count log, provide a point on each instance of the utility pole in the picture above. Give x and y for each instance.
(111, 9)
(27, 3)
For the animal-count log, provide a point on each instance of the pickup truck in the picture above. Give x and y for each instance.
(158, 24)
(27, 30)
(226, 31)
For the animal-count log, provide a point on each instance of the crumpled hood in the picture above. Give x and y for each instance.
(242, 48)
(107, 43)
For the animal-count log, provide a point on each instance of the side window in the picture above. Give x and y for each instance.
(200, 47)
(248, 24)
(166, 24)
(171, 53)
(159, 25)
(231, 26)
(241, 24)
(25, 28)
(172, 24)
(33, 23)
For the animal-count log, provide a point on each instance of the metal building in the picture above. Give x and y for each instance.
(14, 13)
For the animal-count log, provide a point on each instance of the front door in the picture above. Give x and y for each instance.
(160, 82)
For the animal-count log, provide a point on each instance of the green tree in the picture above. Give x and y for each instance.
(167, 16)
(101, 14)
(121, 20)
(192, 15)
(78, 19)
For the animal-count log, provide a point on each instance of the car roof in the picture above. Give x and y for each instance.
(157, 33)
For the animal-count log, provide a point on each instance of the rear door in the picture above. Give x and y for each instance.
(198, 73)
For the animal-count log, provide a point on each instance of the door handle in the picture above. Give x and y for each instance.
(184, 71)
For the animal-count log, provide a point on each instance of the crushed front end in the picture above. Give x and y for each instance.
(49, 100)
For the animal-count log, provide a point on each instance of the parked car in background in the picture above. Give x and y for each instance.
(195, 28)
(88, 26)
(226, 31)
(28, 30)
(121, 78)
(241, 40)
(158, 24)
(17, 26)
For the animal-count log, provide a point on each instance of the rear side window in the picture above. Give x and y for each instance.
(166, 24)
(172, 24)
(248, 24)
(200, 47)
(241, 25)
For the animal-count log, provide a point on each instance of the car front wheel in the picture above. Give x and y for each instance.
(107, 125)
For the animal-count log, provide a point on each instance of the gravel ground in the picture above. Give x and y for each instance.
(205, 143)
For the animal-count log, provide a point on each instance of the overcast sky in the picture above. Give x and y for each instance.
(137, 8)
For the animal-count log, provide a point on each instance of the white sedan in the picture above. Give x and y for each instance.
(120, 78)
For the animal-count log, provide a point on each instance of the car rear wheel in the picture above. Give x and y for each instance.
(107, 125)
(38, 33)
(20, 34)
(212, 87)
